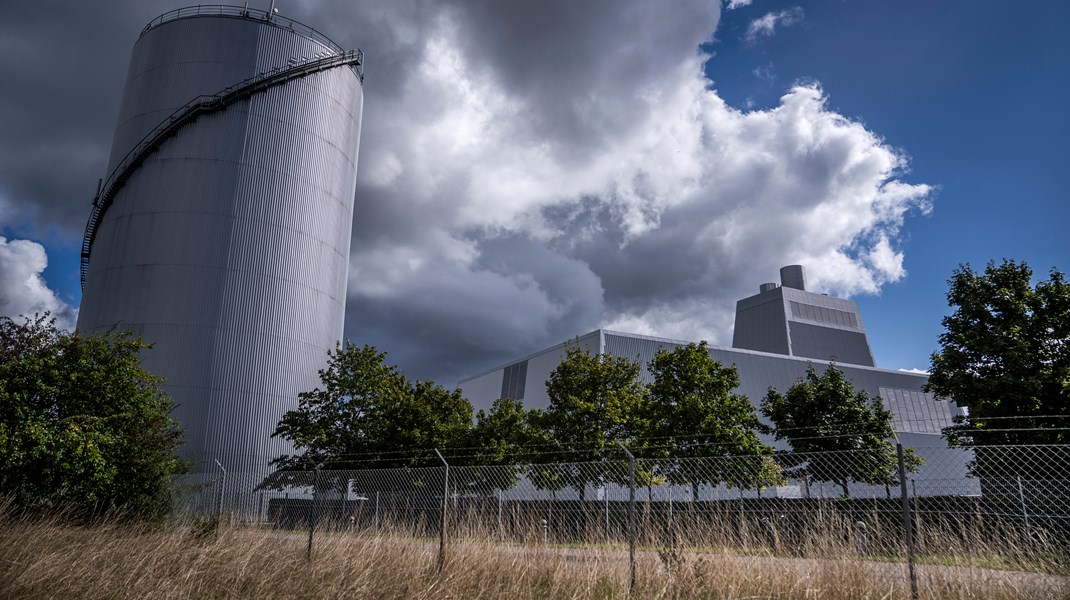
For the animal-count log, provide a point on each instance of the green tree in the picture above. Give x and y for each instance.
(595, 401)
(83, 425)
(499, 448)
(836, 434)
(427, 417)
(1005, 355)
(366, 415)
(504, 434)
(338, 425)
(701, 431)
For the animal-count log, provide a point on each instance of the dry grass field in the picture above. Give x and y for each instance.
(50, 558)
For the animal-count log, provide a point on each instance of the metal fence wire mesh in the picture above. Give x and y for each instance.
(999, 514)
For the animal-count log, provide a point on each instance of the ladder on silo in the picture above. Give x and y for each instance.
(200, 105)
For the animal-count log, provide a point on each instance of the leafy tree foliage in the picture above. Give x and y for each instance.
(83, 425)
(429, 416)
(694, 414)
(836, 434)
(502, 438)
(1005, 354)
(505, 433)
(337, 425)
(595, 400)
(367, 415)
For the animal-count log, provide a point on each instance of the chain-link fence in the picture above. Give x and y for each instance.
(920, 521)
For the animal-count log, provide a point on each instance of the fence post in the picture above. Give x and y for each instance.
(672, 529)
(631, 517)
(1021, 498)
(603, 497)
(907, 521)
(605, 493)
(222, 487)
(312, 513)
(915, 512)
(862, 537)
(670, 506)
(445, 500)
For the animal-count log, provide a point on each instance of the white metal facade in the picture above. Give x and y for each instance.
(917, 417)
(228, 247)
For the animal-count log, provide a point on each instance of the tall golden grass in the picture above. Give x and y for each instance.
(55, 558)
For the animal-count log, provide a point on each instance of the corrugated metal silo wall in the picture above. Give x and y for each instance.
(228, 248)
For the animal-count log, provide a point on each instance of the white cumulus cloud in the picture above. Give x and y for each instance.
(23, 290)
(533, 171)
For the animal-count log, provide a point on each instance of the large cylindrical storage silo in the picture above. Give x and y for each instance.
(225, 242)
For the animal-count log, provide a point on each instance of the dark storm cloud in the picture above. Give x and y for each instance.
(579, 66)
(529, 171)
(63, 67)
(391, 34)
(436, 323)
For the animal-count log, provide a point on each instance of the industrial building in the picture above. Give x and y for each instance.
(780, 332)
(787, 319)
(221, 233)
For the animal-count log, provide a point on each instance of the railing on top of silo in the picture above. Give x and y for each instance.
(242, 13)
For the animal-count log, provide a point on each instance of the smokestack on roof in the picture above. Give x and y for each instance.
(793, 276)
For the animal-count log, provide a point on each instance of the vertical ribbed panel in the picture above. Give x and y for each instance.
(228, 248)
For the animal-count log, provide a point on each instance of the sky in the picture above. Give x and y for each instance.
(531, 171)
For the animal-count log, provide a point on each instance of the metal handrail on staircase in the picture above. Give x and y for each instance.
(200, 105)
